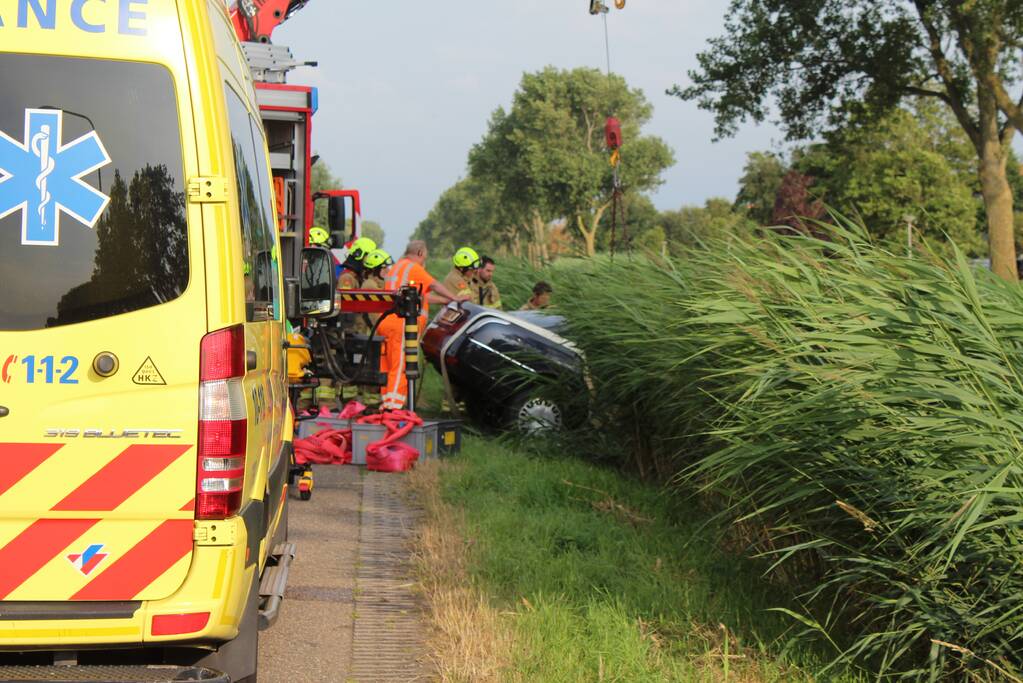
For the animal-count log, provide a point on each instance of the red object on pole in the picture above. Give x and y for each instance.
(613, 133)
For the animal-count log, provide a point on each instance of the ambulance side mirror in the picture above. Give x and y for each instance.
(317, 283)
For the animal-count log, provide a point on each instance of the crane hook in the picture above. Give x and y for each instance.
(600, 7)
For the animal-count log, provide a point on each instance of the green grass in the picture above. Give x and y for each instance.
(611, 579)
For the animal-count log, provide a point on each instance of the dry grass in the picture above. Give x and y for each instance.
(469, 641)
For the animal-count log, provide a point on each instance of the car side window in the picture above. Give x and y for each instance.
(262, 294)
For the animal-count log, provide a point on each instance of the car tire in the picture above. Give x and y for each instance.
(531, 414)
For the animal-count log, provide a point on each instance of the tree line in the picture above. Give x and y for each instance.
(824, 66)
(898, 114)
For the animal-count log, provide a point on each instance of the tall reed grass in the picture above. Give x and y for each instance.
(858, 414)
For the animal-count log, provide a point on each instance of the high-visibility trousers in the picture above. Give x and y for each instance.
(394, 395)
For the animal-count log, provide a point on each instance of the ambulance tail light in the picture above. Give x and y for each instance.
(222, 424)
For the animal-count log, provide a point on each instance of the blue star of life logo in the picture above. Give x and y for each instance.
(42, 178)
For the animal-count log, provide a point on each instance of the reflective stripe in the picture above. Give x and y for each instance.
(407, 272)
(393, 401)
(398, 275)
(121, 478)
(22, 458)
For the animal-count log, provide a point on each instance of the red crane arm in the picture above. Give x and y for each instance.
(255, 20)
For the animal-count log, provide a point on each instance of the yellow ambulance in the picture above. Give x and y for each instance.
(144, 421)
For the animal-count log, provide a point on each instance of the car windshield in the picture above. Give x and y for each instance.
(92, 204)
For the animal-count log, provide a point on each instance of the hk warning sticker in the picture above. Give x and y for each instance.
(148, 375)
(42, 178)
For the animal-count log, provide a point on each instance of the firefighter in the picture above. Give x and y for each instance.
(319, 237)
(541, 297)
(375, 267)
(483, 288)
(352, 277)
(408, 271)
(352, 268)
(463, 271)
(326, 394)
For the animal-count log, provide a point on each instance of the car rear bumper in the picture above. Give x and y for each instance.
(110, 674)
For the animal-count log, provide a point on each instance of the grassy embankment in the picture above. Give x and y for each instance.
(857, 412)
(538, 567)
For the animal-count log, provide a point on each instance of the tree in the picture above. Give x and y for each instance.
(795, 206)
(907, 167)
(374, 231)
(546, 154)
(322, 179)
(758, 187)
(691, 225)
(468, 212)
(821, 63)
(653, 240)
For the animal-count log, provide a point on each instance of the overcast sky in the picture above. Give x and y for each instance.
(406, 88)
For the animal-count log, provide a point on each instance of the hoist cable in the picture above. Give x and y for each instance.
(607, 48)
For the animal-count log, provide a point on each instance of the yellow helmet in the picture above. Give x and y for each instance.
(376, 259)
(319, 236)
(466, 257)
(361, 247)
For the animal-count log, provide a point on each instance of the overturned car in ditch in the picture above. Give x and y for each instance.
(512, 370)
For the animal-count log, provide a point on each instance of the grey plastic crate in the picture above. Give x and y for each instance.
(422, 438)
(363, 436)
(449, 437)
(309, 427)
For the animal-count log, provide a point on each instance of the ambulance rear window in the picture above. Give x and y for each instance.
(92, 204)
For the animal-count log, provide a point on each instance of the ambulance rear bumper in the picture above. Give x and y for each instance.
(110, 674)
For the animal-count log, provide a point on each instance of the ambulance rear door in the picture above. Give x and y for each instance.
(102, 306)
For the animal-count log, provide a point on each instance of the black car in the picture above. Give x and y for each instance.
(511, 369)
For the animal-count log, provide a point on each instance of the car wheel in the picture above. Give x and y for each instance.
(531, 415)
